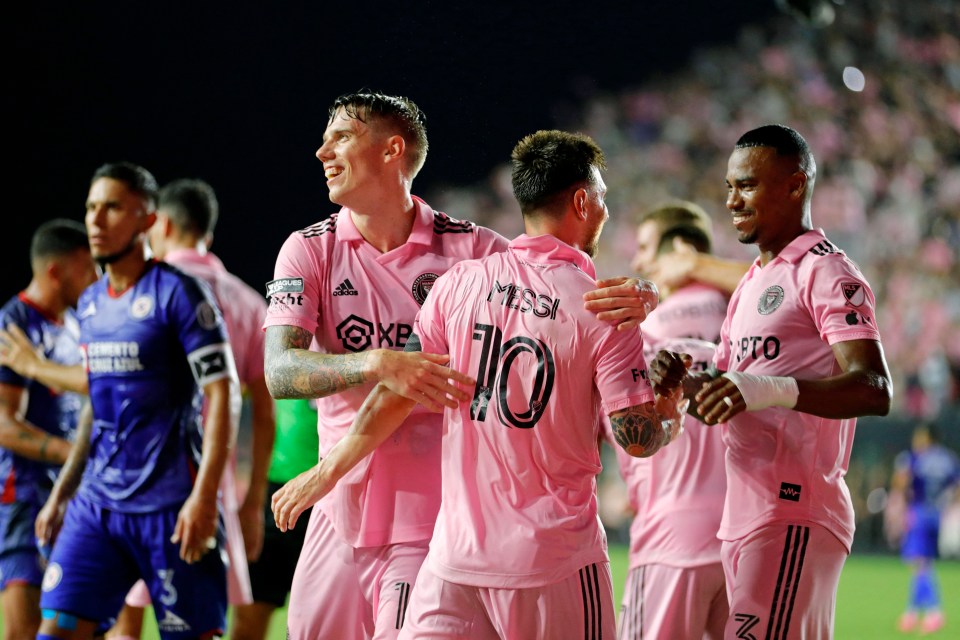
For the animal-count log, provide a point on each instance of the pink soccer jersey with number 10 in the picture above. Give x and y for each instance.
(783, 319)
(332, 283)
(519, 462)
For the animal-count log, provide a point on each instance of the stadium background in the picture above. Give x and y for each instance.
(237, 95)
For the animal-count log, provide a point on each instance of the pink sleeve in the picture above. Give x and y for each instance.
(250, 338)
(840, 301)
(294, 292)
(489, 242)
(621, 371)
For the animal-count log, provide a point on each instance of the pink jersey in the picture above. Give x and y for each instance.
(695, 311)
(242, 307)
(783, 464)
(678, 493)
(332, 283)
(520, 462)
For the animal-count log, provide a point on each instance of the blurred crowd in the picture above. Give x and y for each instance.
(887, 145)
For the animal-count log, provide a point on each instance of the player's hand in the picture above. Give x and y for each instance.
(250, 515)
(196, 528)
(719, 400)
(421, 377)
(668, 371)
(17, 352)
(623, 301)
(295, 497)
(670, 271)
(49, 520)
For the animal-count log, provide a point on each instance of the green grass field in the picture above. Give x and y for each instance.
(873, 590)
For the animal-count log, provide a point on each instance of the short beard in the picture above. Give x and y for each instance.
(103, 261)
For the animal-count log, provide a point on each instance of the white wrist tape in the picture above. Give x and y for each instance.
(760, 392)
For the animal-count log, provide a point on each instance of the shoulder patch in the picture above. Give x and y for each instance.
(285, 285)
(327, 225)
(854, 293)
(442, 223)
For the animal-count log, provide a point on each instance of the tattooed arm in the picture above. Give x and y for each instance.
(293, 371)
(644, 429)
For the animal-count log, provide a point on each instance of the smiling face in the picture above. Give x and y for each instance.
(354, 155)
(765, 195)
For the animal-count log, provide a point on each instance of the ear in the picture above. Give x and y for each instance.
(54, 271)
(580, 203)
(798, 184)
(149, 220)
(395, 148)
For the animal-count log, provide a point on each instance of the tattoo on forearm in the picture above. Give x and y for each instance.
(294, 372)
(638, 431)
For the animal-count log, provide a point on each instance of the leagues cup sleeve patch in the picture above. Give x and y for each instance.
(422, 286)
(285, 285)
(211, 363)
(854, 293)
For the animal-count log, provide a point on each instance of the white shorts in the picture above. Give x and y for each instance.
(579, 607)
(679, 603)
(783, 576)
(345, 593)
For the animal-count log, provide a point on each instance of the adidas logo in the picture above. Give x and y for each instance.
(345, 288)
(172, 622)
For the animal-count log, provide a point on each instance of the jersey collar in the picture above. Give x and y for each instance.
(192, 256)
(422, 232)
(547, 249)
(800, 245)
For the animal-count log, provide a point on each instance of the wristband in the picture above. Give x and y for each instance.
(760, 392)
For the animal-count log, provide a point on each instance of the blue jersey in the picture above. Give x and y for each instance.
(25, 480)
(933, 472)
(148, 352)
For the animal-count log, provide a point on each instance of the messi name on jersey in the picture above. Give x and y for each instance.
(524, 300)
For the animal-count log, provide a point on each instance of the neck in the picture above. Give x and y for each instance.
(387, 227)
(46, 298)
(548, 226)
(125, 272)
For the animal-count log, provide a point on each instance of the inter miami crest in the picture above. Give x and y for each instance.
(422, 285)
(770, 300)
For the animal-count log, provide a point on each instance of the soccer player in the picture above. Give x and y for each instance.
(696, 309)
(675, 587)
(187, 214)
(37, 422)
(342, 304)
(799, 359)
(146, 507)
(271, 574)
(518, 550)
(928, 474)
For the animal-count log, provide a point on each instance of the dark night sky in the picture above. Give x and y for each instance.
(238, 96)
